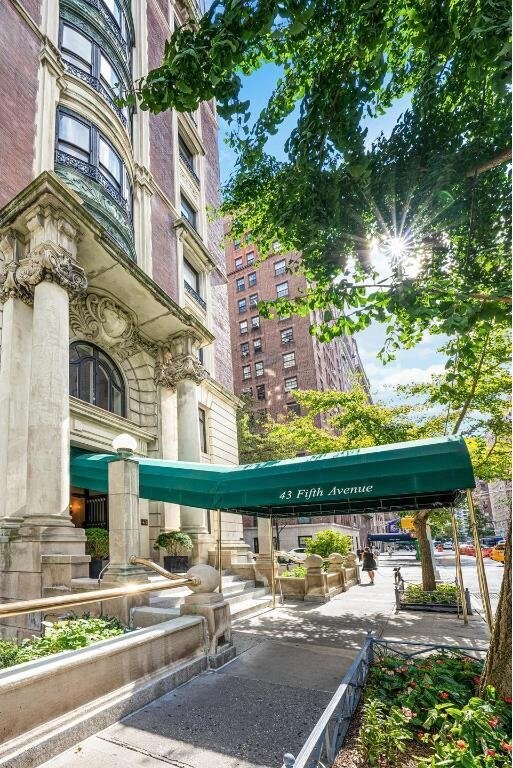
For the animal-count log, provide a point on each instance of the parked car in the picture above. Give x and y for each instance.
(498, 552)
(447, 545)
(467, 549)
(486, 551)
(299, 552)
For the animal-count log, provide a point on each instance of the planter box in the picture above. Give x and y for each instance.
(96, 567)
(176, 563)
(433, 607)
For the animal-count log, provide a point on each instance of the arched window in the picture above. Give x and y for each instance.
(93, 377)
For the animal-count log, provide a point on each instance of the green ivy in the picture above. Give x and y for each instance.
(444, 594)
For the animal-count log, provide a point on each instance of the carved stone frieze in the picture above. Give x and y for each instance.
(100, 319)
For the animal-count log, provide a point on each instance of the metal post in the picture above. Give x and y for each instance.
(459, 572)
(271, 543)
(219, 552)
(483, 584)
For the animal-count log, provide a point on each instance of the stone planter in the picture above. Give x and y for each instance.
(176, 563)
(96, 567)
(434, 607)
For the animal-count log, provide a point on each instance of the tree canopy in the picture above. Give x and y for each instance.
(413, 230)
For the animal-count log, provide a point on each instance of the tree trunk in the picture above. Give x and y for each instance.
(497, 671)
(420, 522)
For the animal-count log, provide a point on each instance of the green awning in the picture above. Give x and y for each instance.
(412, 475)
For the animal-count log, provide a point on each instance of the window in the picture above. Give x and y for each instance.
(248, 391)
(255, 322)
(294, 408)
(280, 267)
(257, 345)
(255, 545)
(244, 349)
(191, 276)
(250, 258)
(240, 284)
(80, 139)
(282, 289)
(252, 279)
(118, 15)
(202, 414)
(76, 49)
(260, 392)
(94, 378)
(85, 59)
(291, 384)
(289, 359)
(237, 244)
(253, 300)
(259, 369)
(246, 371)
(287, 335)
(243, 326)
(188, 211)
(242, 305)
(238, 263)
(301, 540)
(186, 156)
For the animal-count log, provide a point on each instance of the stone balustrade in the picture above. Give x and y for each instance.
(319, 585)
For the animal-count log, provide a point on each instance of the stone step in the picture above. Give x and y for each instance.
(175, 597)
(248, 594)
(147, 616)
(246, 608)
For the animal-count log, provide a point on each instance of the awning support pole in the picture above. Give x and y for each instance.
(459, 572)
(481, 574)
(271, 542)
(219, 552)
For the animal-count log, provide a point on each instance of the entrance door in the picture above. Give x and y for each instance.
(96, 512)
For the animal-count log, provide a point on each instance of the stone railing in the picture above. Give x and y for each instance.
(319, 585)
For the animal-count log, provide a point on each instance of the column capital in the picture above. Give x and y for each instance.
(180, 361)
(50, 254)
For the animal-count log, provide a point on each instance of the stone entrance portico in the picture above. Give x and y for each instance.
(62, 280)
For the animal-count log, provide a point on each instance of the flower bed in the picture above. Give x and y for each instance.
(442, 599)
(427, 713)
(60, 636)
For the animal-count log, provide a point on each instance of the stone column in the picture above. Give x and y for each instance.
(182, 371)
(52, 271)
(14, 387)
(316, 589)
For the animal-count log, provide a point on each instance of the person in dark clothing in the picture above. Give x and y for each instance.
(359, 553)
(369, 563)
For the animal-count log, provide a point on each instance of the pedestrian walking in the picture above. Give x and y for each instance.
(359, 553)
(369, 563)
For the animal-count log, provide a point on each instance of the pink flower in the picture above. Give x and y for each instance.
(476, 680)
(439, 661)
(420, 735)
(461, 744)
(506, 747)
(412, 683)
(443, 695)
(507, 699)
(490, 753)
(493, 721)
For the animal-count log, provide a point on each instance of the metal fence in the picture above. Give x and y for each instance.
(328, 734)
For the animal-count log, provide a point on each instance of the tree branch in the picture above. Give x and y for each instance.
(502, 157)
(468, 400)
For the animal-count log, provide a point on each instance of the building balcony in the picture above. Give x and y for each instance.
(193, 293)
(98, 86)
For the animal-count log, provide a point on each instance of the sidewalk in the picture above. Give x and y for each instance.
(265, 702)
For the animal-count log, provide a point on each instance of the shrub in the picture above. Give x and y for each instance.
(174, 542)
(326, 543)
(97, 543)
(383, 732)
(444, 594)
(67, 635)
(298, 572)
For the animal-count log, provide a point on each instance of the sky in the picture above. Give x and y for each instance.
(411, 366)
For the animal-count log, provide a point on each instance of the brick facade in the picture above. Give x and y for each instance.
(18, 91)
(289, 354)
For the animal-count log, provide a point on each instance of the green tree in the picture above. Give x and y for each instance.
(326, 543)
(434, 196)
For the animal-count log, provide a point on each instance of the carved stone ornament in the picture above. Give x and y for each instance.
(100, 319)
(169, 373)
(46, 262)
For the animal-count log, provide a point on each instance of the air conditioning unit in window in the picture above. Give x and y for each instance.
(245, 354)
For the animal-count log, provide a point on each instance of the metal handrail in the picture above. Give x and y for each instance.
(46, 604)
(135, 560)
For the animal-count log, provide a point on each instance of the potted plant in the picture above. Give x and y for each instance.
(177, 545)
(97, 545)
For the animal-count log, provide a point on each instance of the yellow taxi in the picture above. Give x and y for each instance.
(498, 552)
